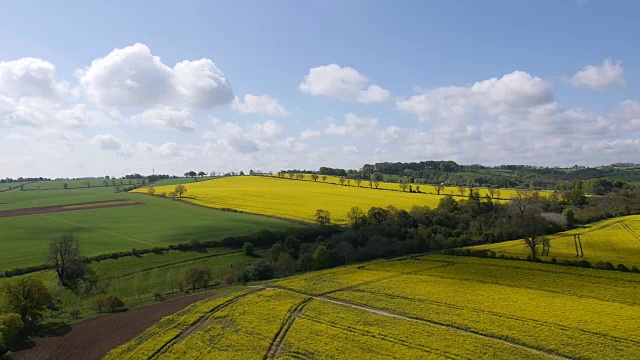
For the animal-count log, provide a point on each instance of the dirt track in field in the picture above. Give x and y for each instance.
(70, 207)
(92, 339)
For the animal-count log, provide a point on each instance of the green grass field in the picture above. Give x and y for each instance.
(614, 240)
(159, 222)
(79, 183)
(434, 306)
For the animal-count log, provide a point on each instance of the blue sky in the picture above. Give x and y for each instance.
(91, 88)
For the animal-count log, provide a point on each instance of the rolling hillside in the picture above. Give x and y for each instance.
(422, 307)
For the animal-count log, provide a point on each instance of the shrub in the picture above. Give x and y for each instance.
(622, 267)
(248, 249)
(108, 302)
(197, 277)
(11, 327)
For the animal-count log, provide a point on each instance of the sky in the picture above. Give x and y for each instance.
(91, 88)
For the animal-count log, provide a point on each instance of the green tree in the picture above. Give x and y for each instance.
(284, 265)
(151, 191)
(28, 298)
(108, 302)
(323, 217)
(261, 269)
(248, 248)
(277, 249)
(202, 173)
(314, 177)
(11, 327)
(322, 258)
(356, 217)
(197, 277)
(180, 190)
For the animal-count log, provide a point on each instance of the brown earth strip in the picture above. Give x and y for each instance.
(92, 339)
(70, 207)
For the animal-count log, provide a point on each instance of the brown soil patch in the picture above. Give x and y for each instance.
(70, 207)
(92, 339)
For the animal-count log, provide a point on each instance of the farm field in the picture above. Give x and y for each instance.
(136, 278)
(432, 306)
(180, 180)
(503, 194)
(24, 239)
(615, 240)
(78, 183)
(293, 199)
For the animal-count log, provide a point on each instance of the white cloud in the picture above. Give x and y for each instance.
(292, 144)
(391, 134)
(350, 149)
(259, 104)
(264, 131)
(309, 134)
(167, 117)
(515, 91)
(29, 77)
(343, 83)
(354, 126)
(628, 112)
(107, 142)
(133, 76)
(231, 136)
(82, 116)
(607, 76)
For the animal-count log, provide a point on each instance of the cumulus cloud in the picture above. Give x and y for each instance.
(167, 117)
(292, 144)
(259, 104)
(231, 136)
(343, 83)
(29, 77)
(350, 149)
(80, 115)
(354, 126)
(264, 131)
(628, 113)
(309, 134)
(607, 76)
(512, 92)
(134, 77)
(107, 142)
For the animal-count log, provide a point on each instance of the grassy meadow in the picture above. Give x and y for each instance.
(159, 222)
(614, 240)
(432, 306)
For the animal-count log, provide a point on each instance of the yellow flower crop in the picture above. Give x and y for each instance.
(299, 200)
(615, 240)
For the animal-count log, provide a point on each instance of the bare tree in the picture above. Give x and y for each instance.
(528, 221)
(358, 182)
(356, 216)
(64, 256)
(314, 177)
(403, 187)
(323, 217)
(371, 184)
(492, 192)
(376, 184)
(462, 190)
(324, 178)
(438, 188)
(341, 180)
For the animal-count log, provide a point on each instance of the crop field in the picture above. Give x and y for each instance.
(158, 222)
(291, 199)
(79, 183)
(298, 200)
(615, 240)
(432, 306)
(503, 194)
(181, 180)
(135, 278)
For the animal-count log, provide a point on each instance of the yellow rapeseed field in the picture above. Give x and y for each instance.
(429, 307)
(615, 240)
(299, 199)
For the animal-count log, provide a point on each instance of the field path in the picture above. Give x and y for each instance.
(201, 322)
(98, 229)
(423, 321)
(278, 341)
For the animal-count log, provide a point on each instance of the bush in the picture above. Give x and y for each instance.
(622, 267)
(248, 249)
(107, 302)
(197, 277)
(11, 327)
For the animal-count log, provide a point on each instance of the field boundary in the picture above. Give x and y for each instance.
(92, 205)
(199, 323)
(424, 321)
